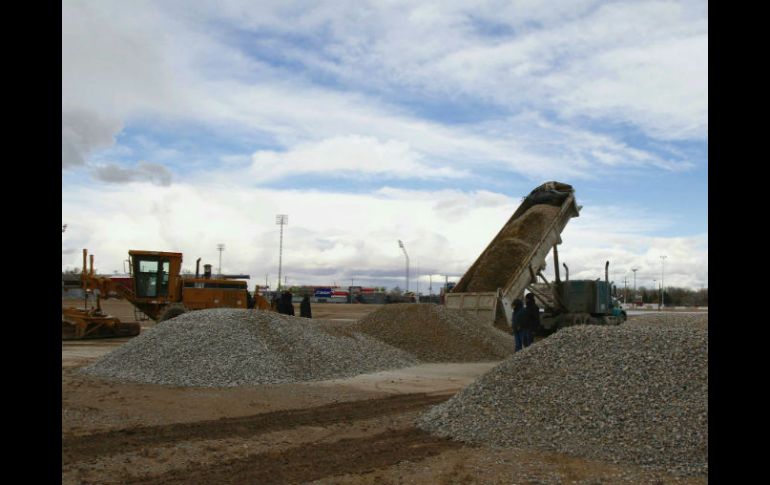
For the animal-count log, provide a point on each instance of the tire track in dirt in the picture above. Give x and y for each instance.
(87, 447)
(314, 461)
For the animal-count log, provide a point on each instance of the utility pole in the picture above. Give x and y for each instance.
(220, 248)
(281, 219)
(662, 280)
(418, 282)
(401, 245)
(634, 270)
(625, 290)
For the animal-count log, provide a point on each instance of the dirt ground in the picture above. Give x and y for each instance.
(345, 431)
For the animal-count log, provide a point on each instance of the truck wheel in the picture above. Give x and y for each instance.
(171, 311)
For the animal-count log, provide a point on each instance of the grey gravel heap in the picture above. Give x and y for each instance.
(635, 394)
(232, 347)
(435, 334)
(671, 319)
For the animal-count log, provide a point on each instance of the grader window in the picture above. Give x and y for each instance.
(152, 276)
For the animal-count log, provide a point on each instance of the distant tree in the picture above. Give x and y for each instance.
(702, 297)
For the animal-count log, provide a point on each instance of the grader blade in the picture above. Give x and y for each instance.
(84, 324)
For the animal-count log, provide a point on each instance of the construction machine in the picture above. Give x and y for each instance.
(157, 289)
(514, 260)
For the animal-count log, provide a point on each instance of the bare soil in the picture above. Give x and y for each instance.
(345, 431)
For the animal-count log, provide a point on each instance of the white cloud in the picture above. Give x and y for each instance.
(82, 133)
(127, 64)
(663, 87)
(350, 156)
(645, 63)
(116, 58)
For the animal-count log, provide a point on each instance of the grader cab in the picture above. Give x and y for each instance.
(161, 292)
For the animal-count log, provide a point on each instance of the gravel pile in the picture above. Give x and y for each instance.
(634, 394)
(433, 333)
(232, 347)
(700, 319)
(509, 249)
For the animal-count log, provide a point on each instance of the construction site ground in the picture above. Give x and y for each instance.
(356, 430)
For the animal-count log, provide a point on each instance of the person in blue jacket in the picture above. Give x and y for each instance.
(516, 325)
(531, 320)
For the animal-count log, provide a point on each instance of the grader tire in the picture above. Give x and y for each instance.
(173, 310)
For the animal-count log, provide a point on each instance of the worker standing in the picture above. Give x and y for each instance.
(304, 307)
(519, 314)
(285, 305)
(531, 321)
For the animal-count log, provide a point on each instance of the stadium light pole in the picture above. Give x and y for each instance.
(401, 245)
(220, 248)
(418, 282)
(634, 270)
(281, 219)
(625, 290)
(662, 281)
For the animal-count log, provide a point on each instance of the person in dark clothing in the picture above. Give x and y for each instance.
(531, 320)
(304, 307)
(519, 314)
(284, 304)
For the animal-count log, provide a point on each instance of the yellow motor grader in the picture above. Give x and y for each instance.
(157, 289)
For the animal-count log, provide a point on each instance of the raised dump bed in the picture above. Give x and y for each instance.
(516, 255)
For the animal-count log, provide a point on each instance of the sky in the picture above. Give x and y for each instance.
(188, 124)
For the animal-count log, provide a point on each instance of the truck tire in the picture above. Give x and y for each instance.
(171, 311)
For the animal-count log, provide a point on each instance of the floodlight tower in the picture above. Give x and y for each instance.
(625, 290)
(220, 248)
(281, 219)
(401, 245)
(662, 281)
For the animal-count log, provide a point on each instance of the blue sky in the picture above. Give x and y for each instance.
(369, 122)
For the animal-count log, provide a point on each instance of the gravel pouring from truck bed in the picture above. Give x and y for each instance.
(434, 333)
(225, 347)
(635, 393)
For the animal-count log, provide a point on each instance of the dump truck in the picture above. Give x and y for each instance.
(157, 289)
(516, 257)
